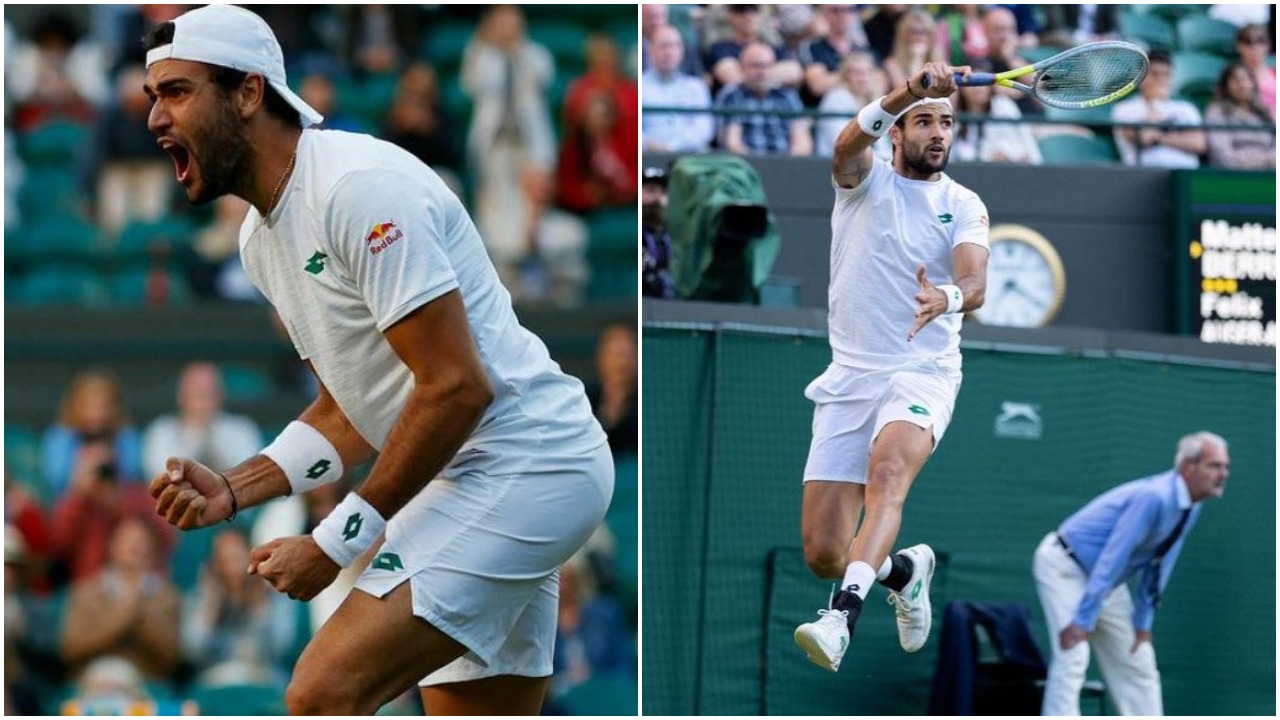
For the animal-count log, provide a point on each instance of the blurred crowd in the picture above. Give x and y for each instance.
(766, 69)
(534, 122)
(107, 606)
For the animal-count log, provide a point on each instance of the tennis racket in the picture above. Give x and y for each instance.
(1082, 77)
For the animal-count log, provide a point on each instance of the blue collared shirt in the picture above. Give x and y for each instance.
(682, 132)
(763, 134)
(1116, 537)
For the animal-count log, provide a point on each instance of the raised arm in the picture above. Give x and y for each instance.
(851, 162)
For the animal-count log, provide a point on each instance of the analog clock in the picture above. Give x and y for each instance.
(1025, 280)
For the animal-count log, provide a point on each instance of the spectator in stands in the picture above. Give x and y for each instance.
(128, 610)
(881, 28)
(860, 83)
(33, 534)
(655, 17)
(417, 123)
(1178, 142)
(992, 142)
(1253, 43)
(666, 86)
(56, 74)
(655, 241)
(88, 513)
(21, 686)
(598, 165)
(132, 176)
(961, 35)
(1001, 28)
(92, 410)
(915, 42)
(1025, 24)
(216, 270)
(114, 686)
(201, 429)
(724, 59)
(1070, 25)
(592, 639)
(747, 133)
(511, 143)
(235, 629)
(1236, 103)
(613, 395)
(379, 39)
(820, 56)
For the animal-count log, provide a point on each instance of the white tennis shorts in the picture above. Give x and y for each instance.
(853, 405)
(482, 557)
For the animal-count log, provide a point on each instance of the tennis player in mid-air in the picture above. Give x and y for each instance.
(908, 256)
(384, 286)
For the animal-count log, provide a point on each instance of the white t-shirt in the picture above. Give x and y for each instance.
(881, 231)
(364, 234)
(1173, 112)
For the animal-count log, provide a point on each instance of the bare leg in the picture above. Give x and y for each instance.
(828, 523)
(501, 695)
(369, 652)
(897, 456)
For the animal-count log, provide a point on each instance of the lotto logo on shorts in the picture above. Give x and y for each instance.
(381, 237)
(919, 410)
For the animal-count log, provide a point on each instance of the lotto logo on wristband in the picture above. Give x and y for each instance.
(352, 529)
(320, 468)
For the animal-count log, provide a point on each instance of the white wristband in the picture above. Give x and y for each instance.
(955, 298)
(307, 457)
(349, 530)
(873, 120)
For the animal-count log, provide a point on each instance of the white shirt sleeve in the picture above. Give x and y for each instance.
(880, 173)
(388, 231)
(972, 223)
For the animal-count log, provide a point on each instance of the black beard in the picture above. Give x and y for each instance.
(226, 164)
(918, 162)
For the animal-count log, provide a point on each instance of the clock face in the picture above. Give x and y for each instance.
(1024, 283)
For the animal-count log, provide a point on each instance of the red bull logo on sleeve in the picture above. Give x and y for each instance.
(381, 237)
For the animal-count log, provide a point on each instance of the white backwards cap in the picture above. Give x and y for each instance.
(235, 38)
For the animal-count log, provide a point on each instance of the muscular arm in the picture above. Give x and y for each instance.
(450, 394)
(852, 160)
(971, 274)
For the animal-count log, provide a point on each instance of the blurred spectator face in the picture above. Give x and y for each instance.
(1002, 33)
(599, 116)
(653, 17)
(668, 50)
(745, 21)
(1159, 81)
(925, 138)
(976, 98)
(317, 90)
(616, 355)
(858, 71)
(1240, 86)
(653, 205)
(915, 33)
(129, 91)
(1252, 43)
(92, 404)
(505, 27)
(757, 59)
(837, 17)
(200, 393)
(111, 678)
(133, 547)
(230, 557)
(602, 56)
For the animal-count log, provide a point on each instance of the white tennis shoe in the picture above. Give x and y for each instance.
(825, 639)
(915, 617)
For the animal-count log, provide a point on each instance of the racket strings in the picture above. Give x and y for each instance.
(1089, 76)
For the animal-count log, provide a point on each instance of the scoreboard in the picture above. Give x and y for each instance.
(1225, 225)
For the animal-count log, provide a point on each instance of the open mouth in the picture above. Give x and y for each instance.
(181, 159)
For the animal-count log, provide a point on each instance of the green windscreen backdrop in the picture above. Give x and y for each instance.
(1034, 437)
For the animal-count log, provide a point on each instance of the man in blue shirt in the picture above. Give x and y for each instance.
(748, 133)
(665, 86)
(1081, 571)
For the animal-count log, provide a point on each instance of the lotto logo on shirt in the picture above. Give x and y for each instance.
(382, 236)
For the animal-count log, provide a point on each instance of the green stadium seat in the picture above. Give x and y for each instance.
(1076, 150)
(602, 696)
(130, 285)
(1170, 12)
(55, 239)
(1091, 116)
(48, 193)
(22, 460)
(1205, 34)
(58, 283)
(1194, 71)
(53, 143)
(137, 239)
(615, 229)
(567, 42)
(1038, 53)
(245, 384)
(239, 700)
(1155, 32)
(444, 44)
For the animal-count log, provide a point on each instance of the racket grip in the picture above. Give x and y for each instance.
(973, 79)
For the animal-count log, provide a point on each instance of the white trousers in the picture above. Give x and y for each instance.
(1132, 679)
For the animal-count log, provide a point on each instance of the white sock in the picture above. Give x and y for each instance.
(860, 576)
(885, 568)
